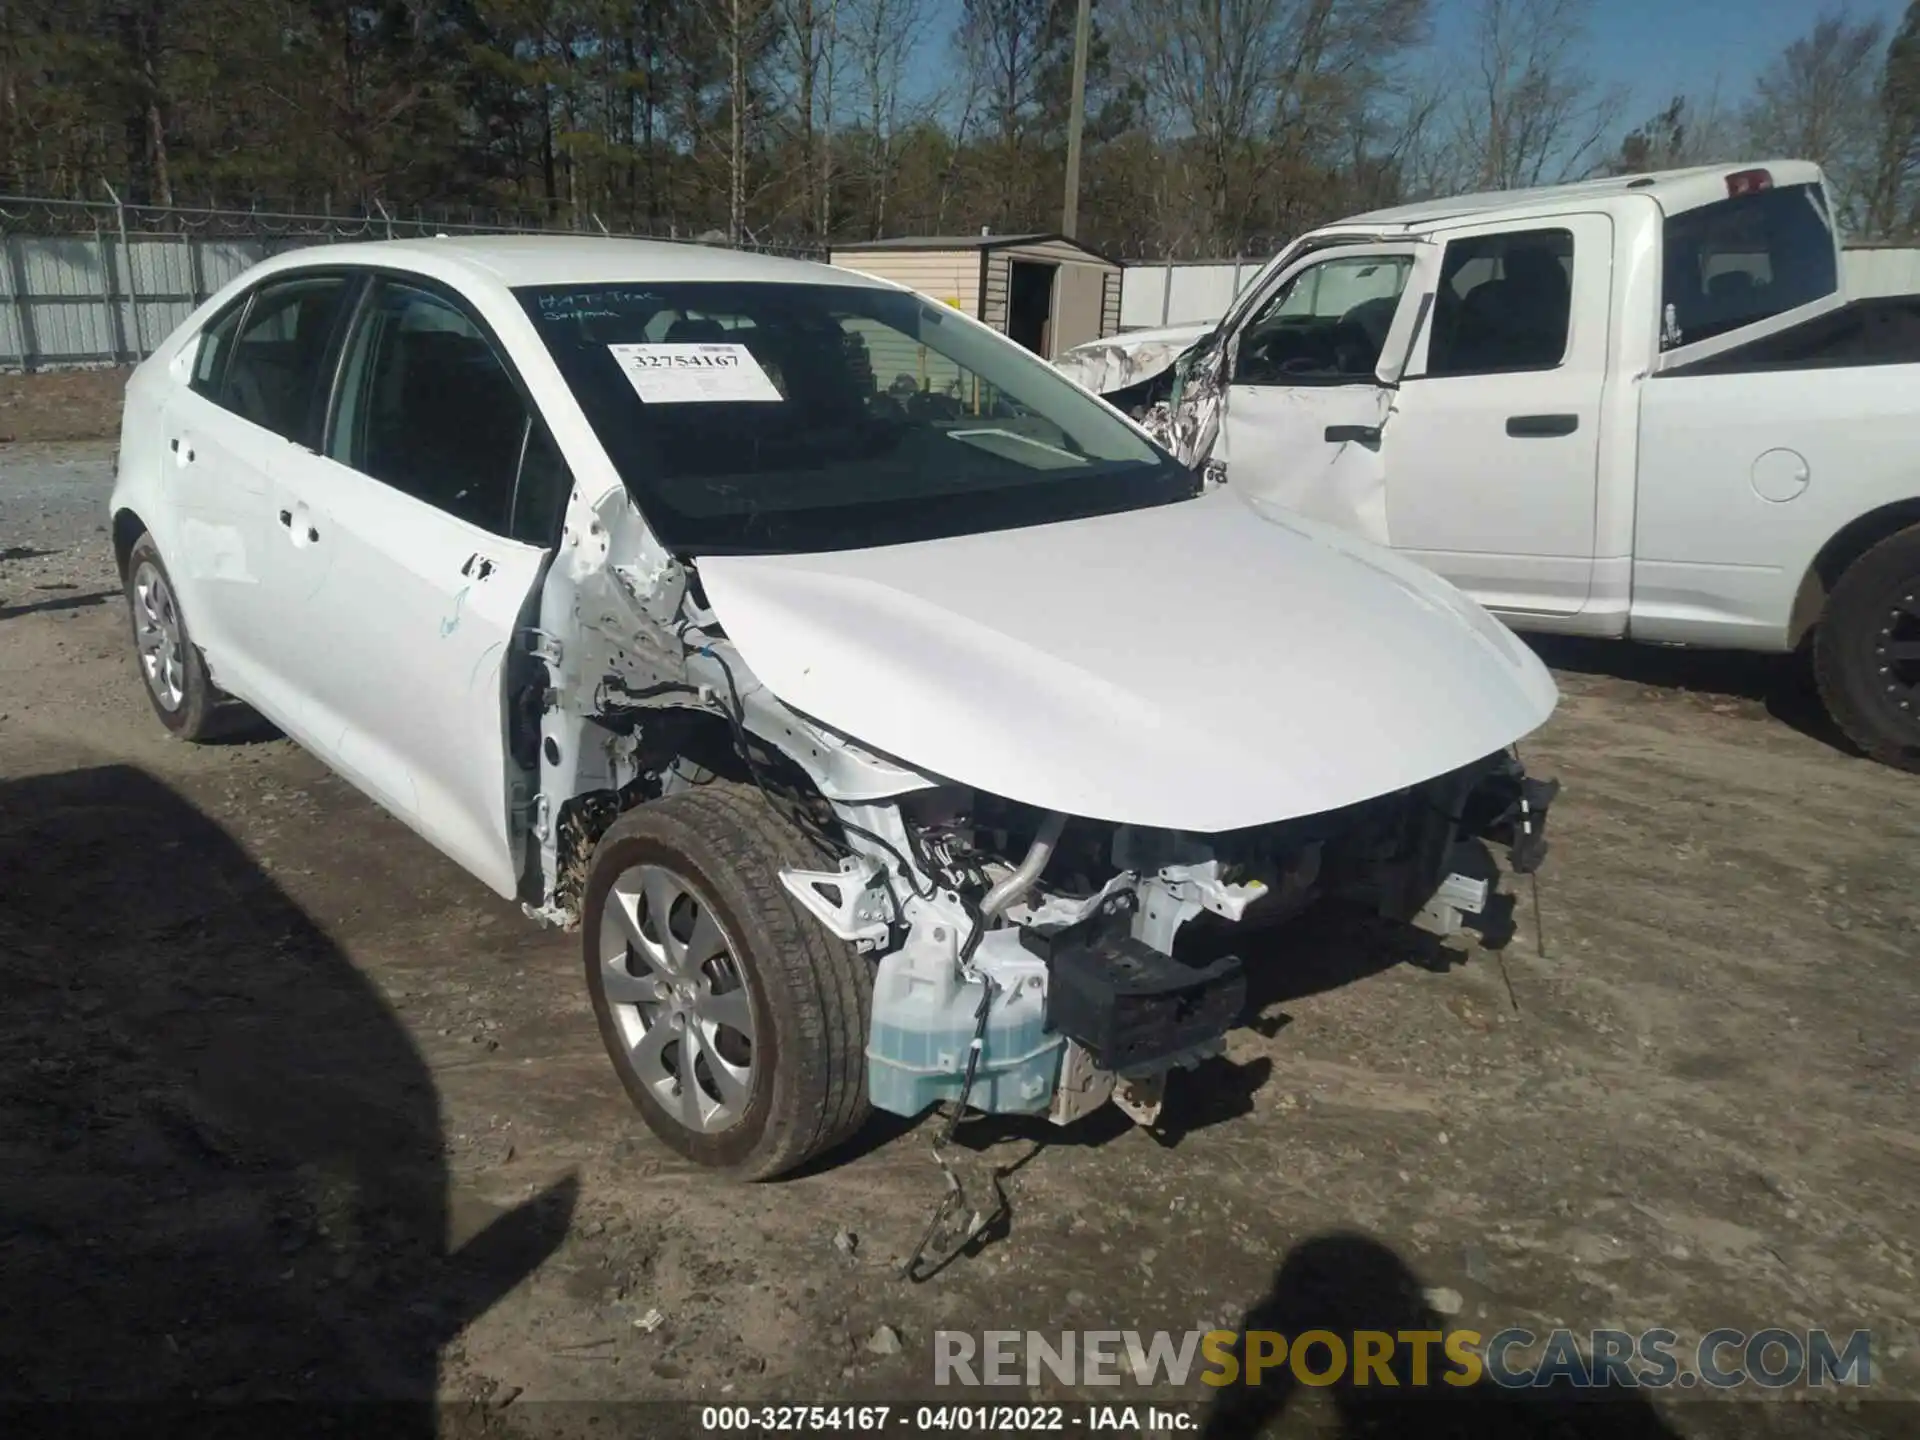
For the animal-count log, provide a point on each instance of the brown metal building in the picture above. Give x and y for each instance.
(1045, 291)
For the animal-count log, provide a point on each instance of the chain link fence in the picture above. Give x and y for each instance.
(86, 283)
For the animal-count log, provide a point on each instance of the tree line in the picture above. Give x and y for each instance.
(1213, 127)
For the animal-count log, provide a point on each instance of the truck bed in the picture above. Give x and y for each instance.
(1880, 331)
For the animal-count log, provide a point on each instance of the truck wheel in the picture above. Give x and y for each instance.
(737, 1024)
(182, 694)
(1866, 651)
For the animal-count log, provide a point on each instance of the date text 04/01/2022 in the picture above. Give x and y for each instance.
(753, 1420)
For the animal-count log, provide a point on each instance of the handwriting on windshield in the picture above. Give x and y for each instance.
(602, 304)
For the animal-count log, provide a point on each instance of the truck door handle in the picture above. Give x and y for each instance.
(1533, 427)
(1368, 435)
(286, 519)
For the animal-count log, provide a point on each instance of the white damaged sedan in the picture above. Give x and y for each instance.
(879, 705)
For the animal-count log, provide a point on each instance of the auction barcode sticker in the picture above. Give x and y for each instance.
(693, 374)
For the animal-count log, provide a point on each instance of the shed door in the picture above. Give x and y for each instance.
(1078, 302)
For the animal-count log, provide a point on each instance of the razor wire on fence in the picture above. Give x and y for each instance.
(87, 283)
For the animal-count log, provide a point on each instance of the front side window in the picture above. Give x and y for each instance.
(427, 406)
(1326, 325)
(1743, 260)
(274, 375)
(777, 417)
(1505, 303)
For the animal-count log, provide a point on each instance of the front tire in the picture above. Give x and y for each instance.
(1866, 652)
(737, 1025)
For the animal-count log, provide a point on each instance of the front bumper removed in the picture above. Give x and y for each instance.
(1509, 809)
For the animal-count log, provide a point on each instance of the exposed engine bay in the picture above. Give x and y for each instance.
(1025, 959)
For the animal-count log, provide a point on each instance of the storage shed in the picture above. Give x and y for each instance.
(1045, 291)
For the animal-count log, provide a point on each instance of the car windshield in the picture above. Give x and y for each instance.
(769, 417)
(1746, 259)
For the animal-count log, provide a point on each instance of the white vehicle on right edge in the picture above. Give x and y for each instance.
(1638, 407)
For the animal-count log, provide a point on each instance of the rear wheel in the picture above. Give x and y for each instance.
(176, 678)
(1867, 651)
(737, 1025)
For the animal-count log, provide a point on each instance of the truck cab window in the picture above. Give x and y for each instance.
(1326, 325)
(1505, 303)
(1736, 262)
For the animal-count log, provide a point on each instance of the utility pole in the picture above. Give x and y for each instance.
(1076, 119)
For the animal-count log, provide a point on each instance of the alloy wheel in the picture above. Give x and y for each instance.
(675, 986)
(156, 621)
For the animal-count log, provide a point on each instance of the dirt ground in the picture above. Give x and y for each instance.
(61, 405)
(289, 1106)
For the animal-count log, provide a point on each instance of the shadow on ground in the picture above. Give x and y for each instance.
(1346, 1283)
(1329, 947)
(223, 1174)
(1782, 684)
(62, 602)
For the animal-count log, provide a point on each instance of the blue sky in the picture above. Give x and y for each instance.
(1653, 48)
(1659, 48)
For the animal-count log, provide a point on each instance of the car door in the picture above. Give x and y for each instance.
(417, 539)
(1310, 379)
(254, 389)
(1492, 449)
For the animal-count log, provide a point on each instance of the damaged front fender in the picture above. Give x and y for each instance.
(1120, 362)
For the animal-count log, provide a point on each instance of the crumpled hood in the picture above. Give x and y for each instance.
(1202, 666)
(1104, 366)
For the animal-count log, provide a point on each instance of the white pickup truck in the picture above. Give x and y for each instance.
(1638, 407)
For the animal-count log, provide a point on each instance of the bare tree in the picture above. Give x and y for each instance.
(1012, 45)
(1894, 205)
(1685, 131)
(969, 46)
(809, 40)
(1530, 115)
(881, 39)
(1816, 102)
(1250, 89)
(743, 28)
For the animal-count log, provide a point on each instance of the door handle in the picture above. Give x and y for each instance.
(286, 519)
(478, 567)
(1534, 427)
(1368, 435)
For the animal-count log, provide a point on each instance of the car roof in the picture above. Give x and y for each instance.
(517, 260)
(1672, 190)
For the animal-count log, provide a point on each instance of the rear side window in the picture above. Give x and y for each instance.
(216, 344)
(1505, 304)
(1739, 261)
(274, 375)
(428, 406)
